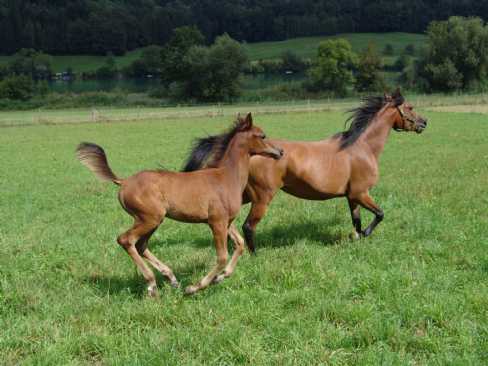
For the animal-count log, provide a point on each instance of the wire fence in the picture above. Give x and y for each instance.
(453, 103)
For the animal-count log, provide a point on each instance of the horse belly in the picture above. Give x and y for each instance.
(316, 186)
(308, 192)
(191, 210)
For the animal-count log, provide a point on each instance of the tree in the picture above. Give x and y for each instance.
(108, 70)
(213, 73)
(401, 62)
(152, 58)
(174, 69)
(368, 76)
(36, 65)
(150, 62)
(457, 54)
(333, 68)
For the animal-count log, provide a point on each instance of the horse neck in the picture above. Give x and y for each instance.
(236, 163)
(378, 131)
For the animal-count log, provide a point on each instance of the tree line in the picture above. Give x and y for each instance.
(455, 58)
(116, 26)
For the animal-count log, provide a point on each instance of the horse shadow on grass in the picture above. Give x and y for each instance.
(294, 231)
(275, 237)
(278, 236)
(134, 284)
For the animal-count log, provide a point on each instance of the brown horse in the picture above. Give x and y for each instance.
(212, 196)
(344, 165)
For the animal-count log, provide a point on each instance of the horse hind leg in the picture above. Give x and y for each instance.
(142, 249)
(130, 240)
(257, 212)
(161, 267)
(356, 218)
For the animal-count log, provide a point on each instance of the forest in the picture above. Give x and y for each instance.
(117, 26)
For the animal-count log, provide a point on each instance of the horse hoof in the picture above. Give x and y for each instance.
(152, 291)
(355, 236)
(218, 279)
(190, 290)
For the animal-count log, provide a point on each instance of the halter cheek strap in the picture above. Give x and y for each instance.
(404, 118)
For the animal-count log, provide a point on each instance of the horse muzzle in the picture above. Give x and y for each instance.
(421, 126)
(276, 153)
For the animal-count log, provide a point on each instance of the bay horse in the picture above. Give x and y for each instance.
(212, 196)
(344, 165)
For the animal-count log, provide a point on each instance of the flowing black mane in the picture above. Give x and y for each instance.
(360, 119)
(208, 151)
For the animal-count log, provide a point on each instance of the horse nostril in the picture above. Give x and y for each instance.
(425, 122)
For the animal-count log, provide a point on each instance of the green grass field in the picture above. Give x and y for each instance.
(416, 292)
(84, 63)
(305, 47)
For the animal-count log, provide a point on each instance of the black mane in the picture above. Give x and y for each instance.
(360, 119)
(208, 151)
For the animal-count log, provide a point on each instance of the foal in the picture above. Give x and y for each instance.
(212, 196)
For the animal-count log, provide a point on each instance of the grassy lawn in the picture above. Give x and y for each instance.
(416, 292)
(305, 47)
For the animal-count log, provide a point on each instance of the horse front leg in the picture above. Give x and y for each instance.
(219, 231)
(367, 202)
(238, 251)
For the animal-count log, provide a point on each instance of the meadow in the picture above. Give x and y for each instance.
(305, 47)
(415, 292)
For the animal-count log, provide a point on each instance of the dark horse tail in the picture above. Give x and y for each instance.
(93, 157)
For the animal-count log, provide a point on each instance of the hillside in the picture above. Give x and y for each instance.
(305, 47)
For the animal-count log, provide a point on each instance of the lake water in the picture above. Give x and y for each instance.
(250, 82)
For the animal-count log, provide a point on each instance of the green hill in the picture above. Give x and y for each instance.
(305, 47)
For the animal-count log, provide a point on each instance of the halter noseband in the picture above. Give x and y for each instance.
(404, 118)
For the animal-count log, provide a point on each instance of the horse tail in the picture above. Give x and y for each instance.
(93, 157)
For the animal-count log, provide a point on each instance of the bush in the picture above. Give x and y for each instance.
(290, 61)
(410, 50)
(388, 50)
(17, 87)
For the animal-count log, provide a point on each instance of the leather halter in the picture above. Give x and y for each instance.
(404, 118)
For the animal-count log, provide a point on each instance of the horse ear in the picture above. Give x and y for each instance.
(387, 97)
(398, 98)
(247, 122)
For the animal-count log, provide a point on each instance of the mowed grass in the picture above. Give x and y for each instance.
(413, 293)
(304, 47)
